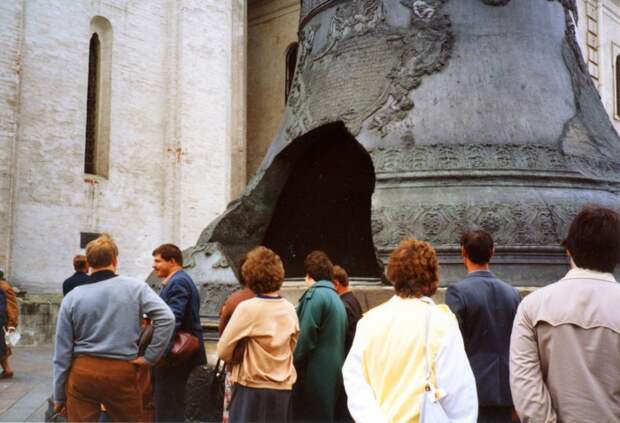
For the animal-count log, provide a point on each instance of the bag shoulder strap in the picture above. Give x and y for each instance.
(427, 349)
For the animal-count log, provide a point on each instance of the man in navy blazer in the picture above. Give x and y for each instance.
(181, 295)
(485, 308)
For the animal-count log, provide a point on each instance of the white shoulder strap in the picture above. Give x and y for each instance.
(427, 349)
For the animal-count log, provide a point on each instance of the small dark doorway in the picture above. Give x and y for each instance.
(326, 203)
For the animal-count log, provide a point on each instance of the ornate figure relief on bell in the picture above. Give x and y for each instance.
(368, 55)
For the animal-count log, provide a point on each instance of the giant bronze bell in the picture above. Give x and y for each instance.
(424, 118)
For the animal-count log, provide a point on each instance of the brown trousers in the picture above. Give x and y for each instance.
(94, 381)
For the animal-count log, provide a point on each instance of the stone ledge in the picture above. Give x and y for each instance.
(37, 318)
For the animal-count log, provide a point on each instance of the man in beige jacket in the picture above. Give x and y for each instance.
(565, 344)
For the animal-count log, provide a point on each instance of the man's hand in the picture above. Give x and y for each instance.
(60, 409)
(140, 361)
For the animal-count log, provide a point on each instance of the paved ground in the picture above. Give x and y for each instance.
(24, 398)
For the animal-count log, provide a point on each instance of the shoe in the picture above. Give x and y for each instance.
(6, 375)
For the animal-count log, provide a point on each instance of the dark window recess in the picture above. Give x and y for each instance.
(291, 64)
(86, 237)
(325, 203)
(618, 85)
(90, 165)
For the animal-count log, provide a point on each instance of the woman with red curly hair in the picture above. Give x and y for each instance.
(386, 374)
(258, 343)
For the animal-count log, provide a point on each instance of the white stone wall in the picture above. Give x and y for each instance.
(609, 50)
(169, 138)
(599, 38)
(272, 28)
(11, 14)
(202, 123)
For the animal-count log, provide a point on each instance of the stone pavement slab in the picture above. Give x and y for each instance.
(24, 398)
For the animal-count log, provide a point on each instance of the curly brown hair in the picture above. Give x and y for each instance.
(263, 271)
(414, 269)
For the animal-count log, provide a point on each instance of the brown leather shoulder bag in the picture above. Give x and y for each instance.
(185, 345)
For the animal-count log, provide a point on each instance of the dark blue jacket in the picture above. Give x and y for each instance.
(183, 299)
(3, 310)
(485, 308)
(73, 281)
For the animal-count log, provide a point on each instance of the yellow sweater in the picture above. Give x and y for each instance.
(393, 364)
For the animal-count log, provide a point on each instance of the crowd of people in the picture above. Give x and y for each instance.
(485, 355)
(122, 352)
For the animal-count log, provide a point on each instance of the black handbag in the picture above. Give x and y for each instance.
(205, 393)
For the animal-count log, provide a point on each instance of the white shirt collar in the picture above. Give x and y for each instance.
(579, 273)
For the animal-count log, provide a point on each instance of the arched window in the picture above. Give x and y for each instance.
(291, 63)
(90, 159)
(618, 86)
(97, 136)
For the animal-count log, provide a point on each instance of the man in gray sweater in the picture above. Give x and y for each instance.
(97, 333)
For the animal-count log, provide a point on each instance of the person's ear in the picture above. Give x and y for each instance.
(463, 254)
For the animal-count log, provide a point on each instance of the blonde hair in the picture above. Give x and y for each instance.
(101, 252)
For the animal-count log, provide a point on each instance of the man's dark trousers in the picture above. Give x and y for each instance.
(169, 392)
(495, 414)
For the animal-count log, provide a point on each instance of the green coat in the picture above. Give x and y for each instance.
(319, 354)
